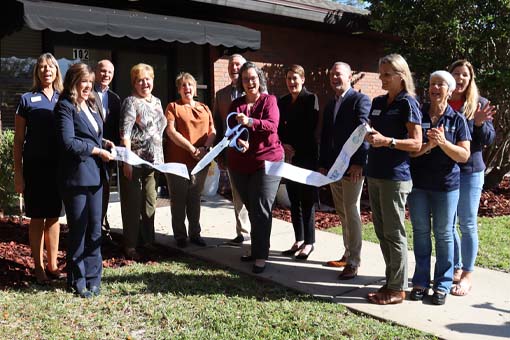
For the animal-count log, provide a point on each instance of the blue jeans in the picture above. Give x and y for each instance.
(465, 250)
(425, 205)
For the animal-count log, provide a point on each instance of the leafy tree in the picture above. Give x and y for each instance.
(431, 34)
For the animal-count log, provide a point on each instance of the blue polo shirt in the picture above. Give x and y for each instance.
(41, 136)
(435, 171)
(390, 120)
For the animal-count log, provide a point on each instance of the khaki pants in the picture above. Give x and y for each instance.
(347, 196)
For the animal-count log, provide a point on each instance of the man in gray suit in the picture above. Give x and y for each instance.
(108, 105)
(224, 98)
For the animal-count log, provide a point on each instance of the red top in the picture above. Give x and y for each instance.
(456, 104)
(264, 142)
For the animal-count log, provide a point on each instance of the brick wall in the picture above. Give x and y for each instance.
(316, 52)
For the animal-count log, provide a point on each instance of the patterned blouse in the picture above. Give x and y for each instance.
(143, 122)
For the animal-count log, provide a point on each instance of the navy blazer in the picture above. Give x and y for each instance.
(353, 111)
(76, 138)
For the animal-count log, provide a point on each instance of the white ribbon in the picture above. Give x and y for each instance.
(315, 178)
(127, 156)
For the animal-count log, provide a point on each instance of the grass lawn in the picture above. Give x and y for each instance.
(494, 241)
(183, 298)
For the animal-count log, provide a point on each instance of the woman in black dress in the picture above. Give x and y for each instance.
(35, 164)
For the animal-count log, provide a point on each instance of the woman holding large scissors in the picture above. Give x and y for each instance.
(259, 112)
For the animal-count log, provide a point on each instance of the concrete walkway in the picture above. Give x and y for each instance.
(483, 314)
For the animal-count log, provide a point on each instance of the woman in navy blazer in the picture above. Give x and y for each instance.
(81, 173)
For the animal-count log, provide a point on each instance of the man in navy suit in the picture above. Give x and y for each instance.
(342, 115)
(108, 106)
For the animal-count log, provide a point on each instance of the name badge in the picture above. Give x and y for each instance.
(425, 125)
(376, 113)
(35, 99)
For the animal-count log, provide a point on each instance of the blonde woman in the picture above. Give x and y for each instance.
(35, 164)
(142, 123)
(395, 119)
(190, 133)
(479, 113)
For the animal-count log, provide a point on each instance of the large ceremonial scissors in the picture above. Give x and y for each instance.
(230, 139)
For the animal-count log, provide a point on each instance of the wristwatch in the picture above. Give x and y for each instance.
(250, 122)
(393, 143)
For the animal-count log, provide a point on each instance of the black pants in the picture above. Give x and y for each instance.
(302, 209)
(258, 191)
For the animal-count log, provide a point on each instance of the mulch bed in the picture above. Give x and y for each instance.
(16, 263)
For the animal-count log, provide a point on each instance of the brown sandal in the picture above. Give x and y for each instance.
(387, 297)
(40, 276)
(380, 290)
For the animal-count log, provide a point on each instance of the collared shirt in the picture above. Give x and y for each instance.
(103, 97)
(339, 100)
(234, 94)
(390, 120)
(435, 170)
(90, 117)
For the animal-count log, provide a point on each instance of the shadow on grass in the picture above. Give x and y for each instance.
(195, 278)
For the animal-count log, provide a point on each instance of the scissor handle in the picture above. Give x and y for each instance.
(231, 129)
(237, 135)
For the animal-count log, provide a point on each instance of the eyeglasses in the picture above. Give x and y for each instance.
(249, 80)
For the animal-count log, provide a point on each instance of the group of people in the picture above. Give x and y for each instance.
(429, 152)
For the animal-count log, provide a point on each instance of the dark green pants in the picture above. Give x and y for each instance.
(138, 206)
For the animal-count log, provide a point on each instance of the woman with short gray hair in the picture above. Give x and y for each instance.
(435, 194)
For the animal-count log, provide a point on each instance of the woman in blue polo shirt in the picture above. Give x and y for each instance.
(395, 119)
(35, 164)
(435, 193)
(478, 112)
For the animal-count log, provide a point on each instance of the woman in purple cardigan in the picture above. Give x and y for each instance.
(259, 113)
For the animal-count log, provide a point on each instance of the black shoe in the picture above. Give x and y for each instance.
(236, 241)
(107, 240)
(292, 250)
(247, 258)
(417, 294)
(182, 243)
(302, 256)
(197, 240)
(95, 290)
(438, 298)
(257, 270)
(56, 275)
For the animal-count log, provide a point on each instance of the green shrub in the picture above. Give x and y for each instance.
(8, 197)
